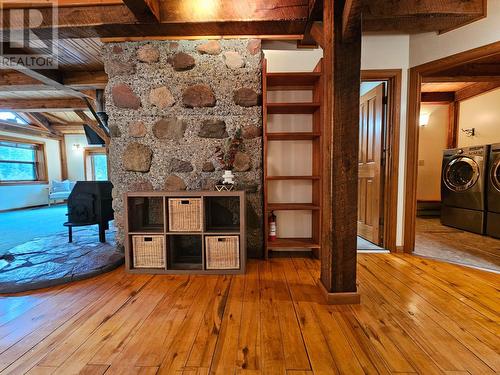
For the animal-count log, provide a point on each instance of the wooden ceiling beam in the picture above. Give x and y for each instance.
(473, 69)
(475, 90)
(42, 105)
(350, 16)
(438, 97)
(51, 78)
(317, 33)
(94, 125)
(28, 130)
(420, 15)
(12, 80)
(69, 128)
(440, 79)
(178, 18)
(86, 80)
(144, 10)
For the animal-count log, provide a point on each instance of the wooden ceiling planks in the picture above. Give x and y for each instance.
(444, 86)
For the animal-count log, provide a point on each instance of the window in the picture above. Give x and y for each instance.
(96, 164)
(21, 161)
(12, 118)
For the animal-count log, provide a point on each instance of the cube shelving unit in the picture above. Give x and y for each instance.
(223, 218)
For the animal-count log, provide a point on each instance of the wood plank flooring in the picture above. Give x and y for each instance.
(416, 316)
(454, 245)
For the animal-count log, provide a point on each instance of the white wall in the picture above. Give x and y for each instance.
(482, 113)
(378, 52)
(76, 170)
(432, 46)
(392, 52)
(19, 196)
(432, 142)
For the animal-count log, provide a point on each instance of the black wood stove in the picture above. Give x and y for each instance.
(90, 203)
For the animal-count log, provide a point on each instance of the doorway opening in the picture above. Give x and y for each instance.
(453, 132)
(378, 159)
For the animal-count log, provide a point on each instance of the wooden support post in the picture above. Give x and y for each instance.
(454, 114)
(64, 160)
(342, 67)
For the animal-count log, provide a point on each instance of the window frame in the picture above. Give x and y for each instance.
(40, 163)
(87, 156)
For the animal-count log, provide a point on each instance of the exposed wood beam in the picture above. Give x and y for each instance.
(439, 79)
(144, 10)
(93, 125)
(317, 33)
(49, 78)
(420, 15)
(85, 80)
(12, 80)
(42, 105)
(342, 69)
(473, 69)
(350, 16)
(307, 41)
(476, 89)
(438, 97)
(55, 119)
(314, 16)
(178, 18)
(28, 130)
(69, 128)
(42, 121)
(315, 10)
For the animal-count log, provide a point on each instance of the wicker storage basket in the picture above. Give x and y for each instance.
(184, 215)
(222, 252)
(149, 251)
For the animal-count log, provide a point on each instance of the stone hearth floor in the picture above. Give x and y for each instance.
(51, 260)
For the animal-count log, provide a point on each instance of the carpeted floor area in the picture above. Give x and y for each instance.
(35, 253)
(20, 226)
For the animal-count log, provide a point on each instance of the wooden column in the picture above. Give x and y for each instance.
(64, 160)
(342, 64)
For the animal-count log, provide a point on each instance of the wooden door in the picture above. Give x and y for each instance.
(370, 177)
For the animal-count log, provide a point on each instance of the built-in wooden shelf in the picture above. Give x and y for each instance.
(293, 243)
(292, 81)
(292, 206)
(291, 178)
(292, 136)
(284, 81)
(292, 108)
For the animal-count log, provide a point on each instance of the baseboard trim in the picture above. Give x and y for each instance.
(344, 298)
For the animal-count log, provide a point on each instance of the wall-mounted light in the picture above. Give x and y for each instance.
(470, 132)
(424, 118)
(77, 148)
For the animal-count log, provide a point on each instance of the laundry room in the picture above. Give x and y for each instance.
(458, 183)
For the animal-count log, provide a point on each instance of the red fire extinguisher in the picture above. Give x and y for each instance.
(272, 226)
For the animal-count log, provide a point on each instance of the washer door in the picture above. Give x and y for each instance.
(461, 174)
(495, 175)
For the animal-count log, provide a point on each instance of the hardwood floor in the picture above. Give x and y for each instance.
(441, 242)
(416, 316)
